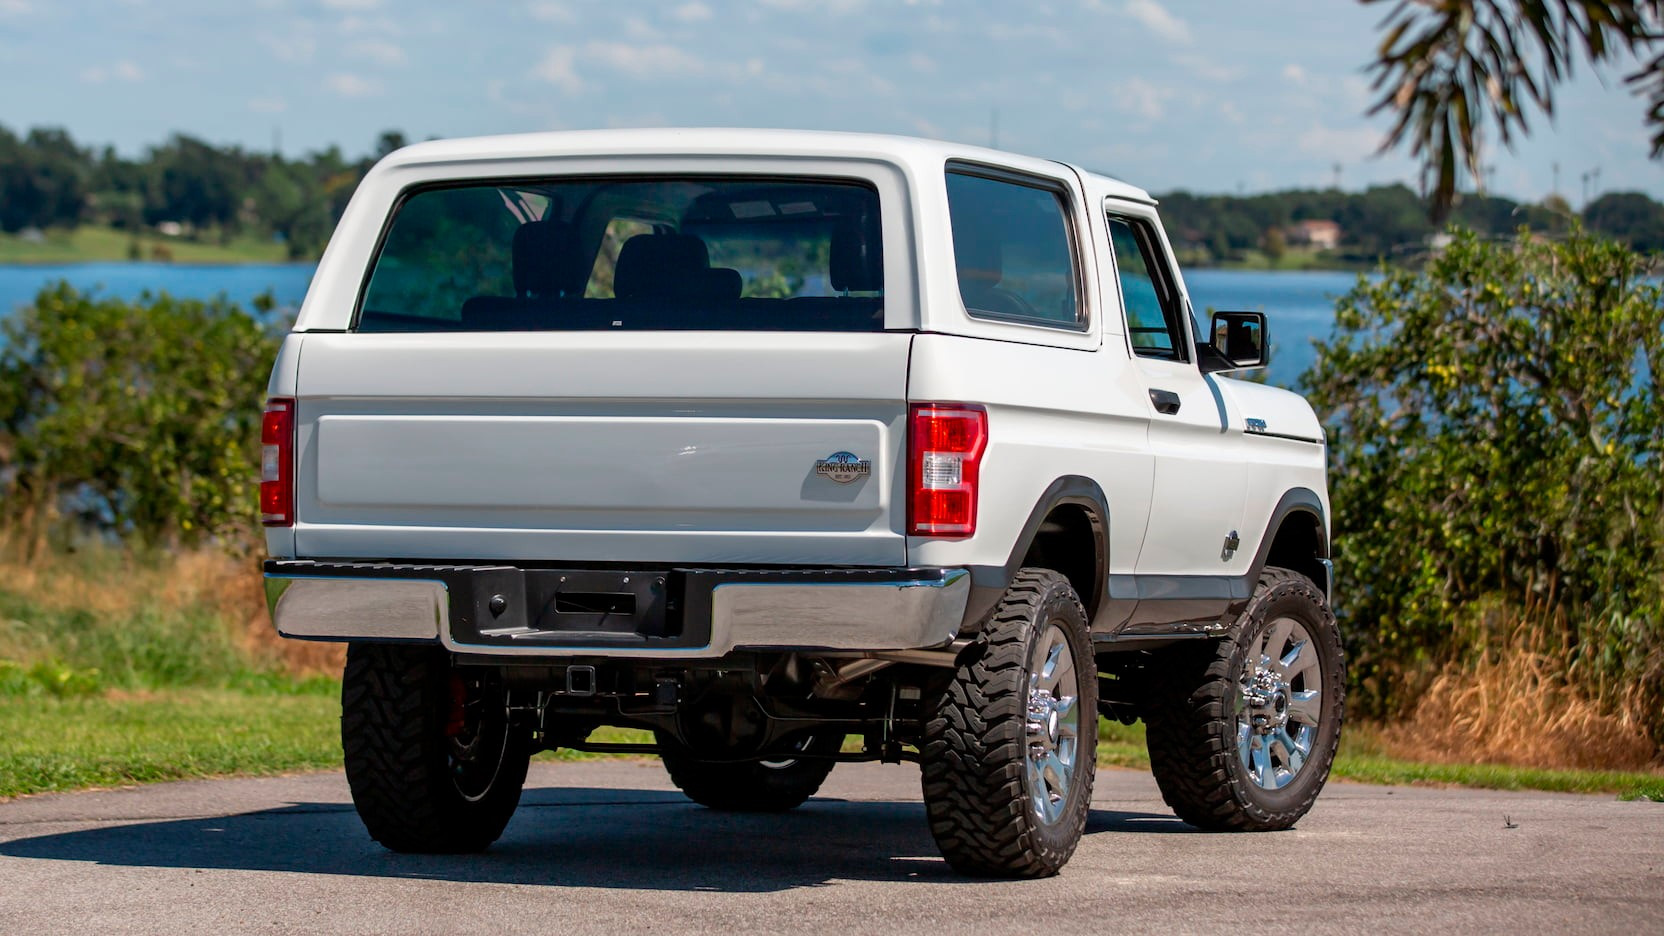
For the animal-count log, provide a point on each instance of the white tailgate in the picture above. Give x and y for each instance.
(688, 447)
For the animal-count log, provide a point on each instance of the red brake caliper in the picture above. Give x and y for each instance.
(459, 698)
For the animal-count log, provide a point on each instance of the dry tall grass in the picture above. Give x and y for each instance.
(116, 583)
(1516, 706)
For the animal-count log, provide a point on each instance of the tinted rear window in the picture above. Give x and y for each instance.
(729, 253)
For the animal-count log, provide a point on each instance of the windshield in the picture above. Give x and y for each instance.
(729, 253)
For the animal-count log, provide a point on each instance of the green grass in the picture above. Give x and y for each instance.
(1360, 761)
(100, 741)
(90, 243)
(56, 743)
(80, 652)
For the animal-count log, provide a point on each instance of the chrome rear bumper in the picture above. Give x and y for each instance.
(683, 613)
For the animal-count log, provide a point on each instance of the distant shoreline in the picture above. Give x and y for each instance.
(100, 244)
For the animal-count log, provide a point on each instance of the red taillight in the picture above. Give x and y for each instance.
(944, 455)
(277, 463)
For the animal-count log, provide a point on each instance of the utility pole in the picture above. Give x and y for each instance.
(1556, 189)
(1337, 176)
(1586, 177)
(1490, 179)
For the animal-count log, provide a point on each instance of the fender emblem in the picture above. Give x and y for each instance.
(1254, 425)
(843, 467)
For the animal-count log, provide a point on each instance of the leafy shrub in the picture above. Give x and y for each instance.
(1496, 429)
(137, 419)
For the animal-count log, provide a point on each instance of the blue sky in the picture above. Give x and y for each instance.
(1208, 95)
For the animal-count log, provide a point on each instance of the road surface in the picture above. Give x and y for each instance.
(609, 847)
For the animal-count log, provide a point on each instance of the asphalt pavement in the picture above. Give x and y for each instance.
(610, 847)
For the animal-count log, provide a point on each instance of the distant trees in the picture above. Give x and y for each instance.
(1630, 217)
(43, 179)
(47, 181)
(1388, 220)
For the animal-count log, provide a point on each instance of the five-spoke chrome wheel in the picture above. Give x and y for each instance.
(1279, 704)
(1053, 725)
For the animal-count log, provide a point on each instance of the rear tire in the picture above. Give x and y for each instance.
(434, 761)
(756, 786)
(1009, 747)
(1243, 732)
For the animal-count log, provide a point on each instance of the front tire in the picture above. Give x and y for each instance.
(1243, 733)
(755, 786)
(433, 758)
(1009, 747)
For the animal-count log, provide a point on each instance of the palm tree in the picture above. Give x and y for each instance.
(1449, 68)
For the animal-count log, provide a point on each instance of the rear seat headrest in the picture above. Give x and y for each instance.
(542, 256)
(660, 265)
(857, 261)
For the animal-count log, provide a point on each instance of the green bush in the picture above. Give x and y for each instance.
(140, 419)
(1496, 429)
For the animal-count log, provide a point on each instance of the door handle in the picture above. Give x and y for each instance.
(1166, 401)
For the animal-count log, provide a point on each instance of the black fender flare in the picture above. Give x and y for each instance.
(1293, 501)
(988, 583)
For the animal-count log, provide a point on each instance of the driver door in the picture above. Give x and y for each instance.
(1197, 499)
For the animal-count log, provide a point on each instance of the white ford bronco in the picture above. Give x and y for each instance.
(791, 449)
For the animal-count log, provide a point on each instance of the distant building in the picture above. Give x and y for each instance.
(1322, 235)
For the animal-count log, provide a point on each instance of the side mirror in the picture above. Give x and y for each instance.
(1239, 342)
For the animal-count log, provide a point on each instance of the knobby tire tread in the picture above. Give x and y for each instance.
(1191, 732)
(975, 744)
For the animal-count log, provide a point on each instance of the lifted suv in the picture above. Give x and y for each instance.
(769, 441)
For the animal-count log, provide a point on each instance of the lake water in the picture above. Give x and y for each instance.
(1301, 305)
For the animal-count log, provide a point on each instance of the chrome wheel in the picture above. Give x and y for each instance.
(1279, 701)
(1053, 724)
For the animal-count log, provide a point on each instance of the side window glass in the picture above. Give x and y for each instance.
(1153, 317)
(1012, 250)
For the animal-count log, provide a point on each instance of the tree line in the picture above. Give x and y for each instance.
(47, 180)
(1390, 222)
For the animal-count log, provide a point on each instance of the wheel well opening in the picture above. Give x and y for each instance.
(1067, 543)
(1299, 545)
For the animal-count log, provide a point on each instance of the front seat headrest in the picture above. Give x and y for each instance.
(659, 266)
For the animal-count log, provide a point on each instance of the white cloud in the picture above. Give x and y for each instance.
(123, 70)
(836, 7)
(637, 28)
(653, 58)
(1294, 73)
(268, 105)
(559, 68)
(922, 63)
(550, 11)
(1137, 96)
(351, 4)
(694, 12)
(349, 85)
(295, 48)
(15, 8)
(1154, 17)
(379, 51)
(1342, 145)
(1207, 68)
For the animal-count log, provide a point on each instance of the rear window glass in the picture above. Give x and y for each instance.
(730, 253)
(1011, 248)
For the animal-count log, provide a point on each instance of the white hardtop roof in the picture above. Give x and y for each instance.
(696, 141)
